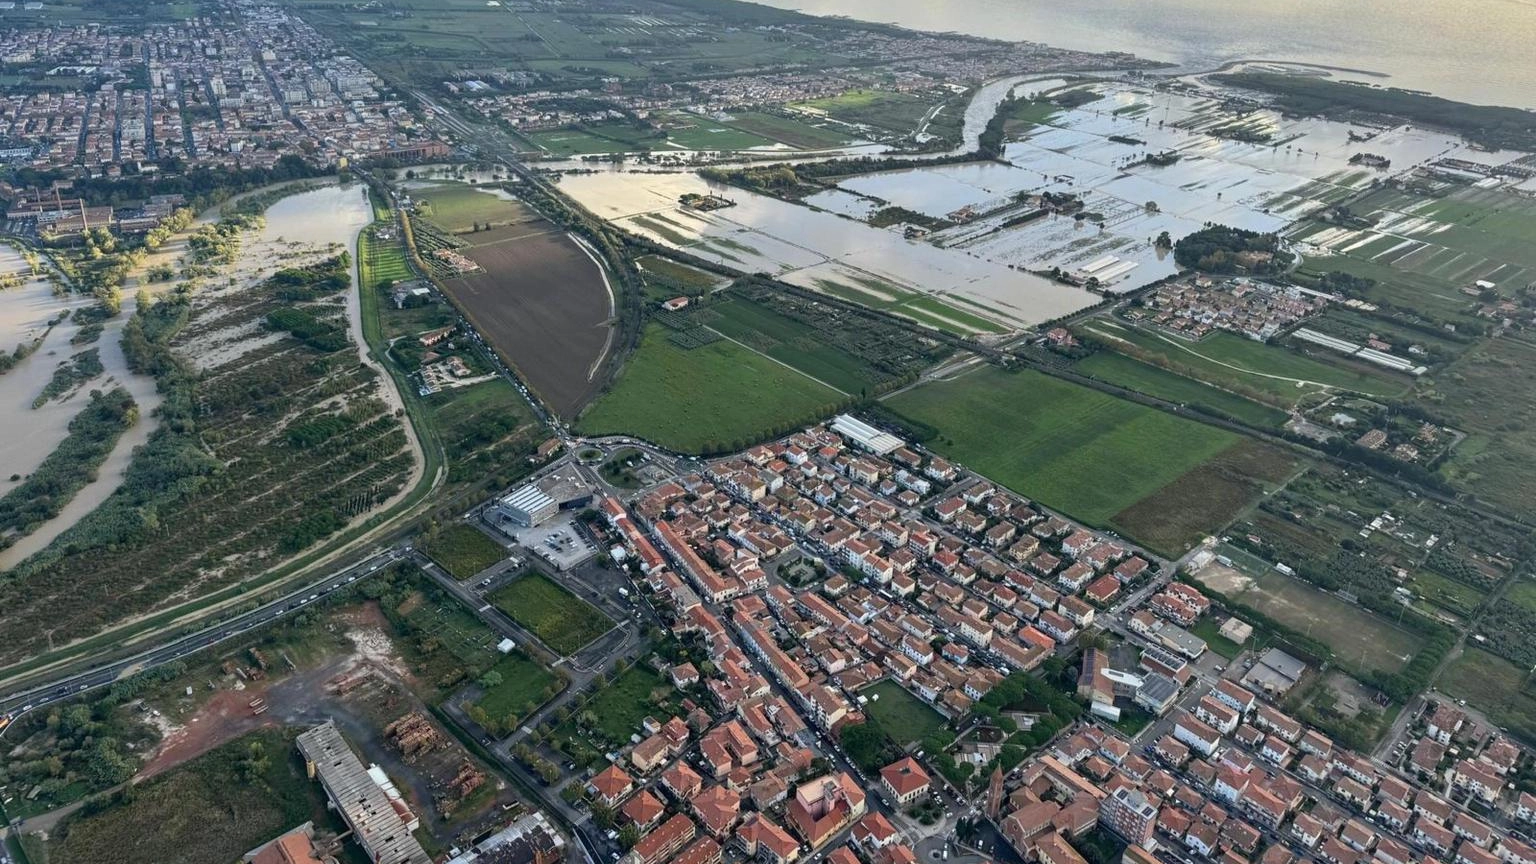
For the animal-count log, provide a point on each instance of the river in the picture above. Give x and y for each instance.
(1476, 51)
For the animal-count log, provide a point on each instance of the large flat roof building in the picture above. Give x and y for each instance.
(375, 823)
(866, 436)
(527, 506)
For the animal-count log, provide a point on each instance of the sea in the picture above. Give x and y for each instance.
(1477, 51)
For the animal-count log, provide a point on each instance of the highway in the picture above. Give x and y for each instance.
(34, 698)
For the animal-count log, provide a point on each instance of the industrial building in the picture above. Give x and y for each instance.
(529, 840)
(865, 436)
(376, 822)
(536, 503)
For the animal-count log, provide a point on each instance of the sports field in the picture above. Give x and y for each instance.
(1086, 453)
(903, 716)
(458, 208)
(1123, 371)
(1358, 637)
(708, 399)
(559, 618)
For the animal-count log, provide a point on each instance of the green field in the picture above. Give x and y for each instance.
(665, 278)
(1244, 366)
(788, 130)
(1490, 392)
(788, 341)
(382, 261)
(559, 618)
(463, 550)
(487, 430)
(1122, 371)
(614, 713)
(707, 399)
(922, 308)
(900, 113)
(696, 132)
(214, 808)
(525, 685)
(1450, 595)
(1209, 629)
(458, 208)
(597, 139)
(1083, 452)
(1495, 686)
(903, 716)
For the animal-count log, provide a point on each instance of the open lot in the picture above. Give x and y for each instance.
(524, 685)
(1357, 637)
(543, 304)
(463, 550)
(1083, 452)
(1494, 686)
(559, 618)
(902, 715)
(206, 810)
(487, 431)
(614, 713)
(708, 399)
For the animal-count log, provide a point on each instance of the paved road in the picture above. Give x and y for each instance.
(33, 698)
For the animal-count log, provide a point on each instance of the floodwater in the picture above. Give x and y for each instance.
(810, 247)
(1471, 50)
(299, 228)
(37, 432)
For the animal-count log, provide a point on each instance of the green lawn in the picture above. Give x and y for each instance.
(1209, 629)
(525, 685)
(903, 716)
(463, 550)
(789, 341)
(708, 399)
(1448, 594)
(1086, 453)
(457, 207)
(1123, 371)
(559, 618)
(695, 132)
(895, 112)
(205, 810)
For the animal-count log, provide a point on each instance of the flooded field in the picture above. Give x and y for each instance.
(1098, 152)
(823, 251)
(25, 314)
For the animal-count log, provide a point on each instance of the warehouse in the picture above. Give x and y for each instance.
(368, 811)
(527, 506)
(866, 436)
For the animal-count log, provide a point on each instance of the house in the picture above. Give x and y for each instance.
(643, 810)
(610, 786)
(1200, 737)
(905, 780)
(761, 838)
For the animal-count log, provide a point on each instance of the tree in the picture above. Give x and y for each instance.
(491, 680)
(629, 835)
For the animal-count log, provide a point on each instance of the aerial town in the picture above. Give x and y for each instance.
(521, 432)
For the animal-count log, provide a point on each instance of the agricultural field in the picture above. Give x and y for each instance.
(707, 399)
(1206, 498)
(788, 341)
(799, 133)
(560, 619)
(596, 139)
(1494, 686)
(1424, 249)
(880, 110)
(460, 208)
(901, 714)
(544, 304)
(1490, 392)
(1086, 453)
(463, 550)
(214, 808)
(1357, 637)
(1261, 372)
(665, 278)
(1122, 371)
